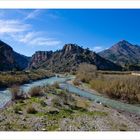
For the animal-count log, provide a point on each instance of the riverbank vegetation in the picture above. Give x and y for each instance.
(123, 86)
(59, 110)
(8, 79)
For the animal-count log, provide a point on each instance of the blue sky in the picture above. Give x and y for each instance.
(28, 31)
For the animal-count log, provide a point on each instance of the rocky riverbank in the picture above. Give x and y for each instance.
(58, 110)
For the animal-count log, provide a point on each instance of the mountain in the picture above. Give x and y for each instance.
(11, 60)
(39, 57)
(123, 53)
(68, 59)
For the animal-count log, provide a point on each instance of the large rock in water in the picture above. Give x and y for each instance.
(10, 60)
(68, 59)
(123, 53)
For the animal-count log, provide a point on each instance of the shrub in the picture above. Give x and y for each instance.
(35, 91)
(31, 110)
(18, 109)
(76, 82)
(56, 85)
(67, 98)
(57, 102)
(86, 72)
(16, 93)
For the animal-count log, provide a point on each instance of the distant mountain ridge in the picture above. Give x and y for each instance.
(68, 59)
(11, 60)
(123, 53)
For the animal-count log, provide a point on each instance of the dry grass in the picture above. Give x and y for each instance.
(35, 91)
(56, 85)
(31, 110)
(86, 72)
(117, 85)
(124, 87)
(8, 79)
(16, 93)
(76, 82)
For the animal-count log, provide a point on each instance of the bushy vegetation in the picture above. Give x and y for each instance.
(8, 79)
(121, 86)
(35, 91)
(31, 110)
(86, 72)
(76, 82)
(56, 85)
(17, 93)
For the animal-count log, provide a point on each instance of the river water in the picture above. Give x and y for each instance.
(5, 95)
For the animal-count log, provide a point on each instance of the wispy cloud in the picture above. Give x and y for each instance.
(33, 14)
(12, 26)
(45, 41)
(22, 32)
(36, 39)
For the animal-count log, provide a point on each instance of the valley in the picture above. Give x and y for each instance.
(51, 108)
(71, 89)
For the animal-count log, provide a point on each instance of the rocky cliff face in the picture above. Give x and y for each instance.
(68, 59)
(10, 60)
(7, 61)
(39, 57)
(123, 53)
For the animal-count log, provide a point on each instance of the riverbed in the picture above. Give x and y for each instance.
(5, 95)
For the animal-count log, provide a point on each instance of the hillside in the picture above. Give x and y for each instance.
(68, 59)
(123, 53)
(11, 60)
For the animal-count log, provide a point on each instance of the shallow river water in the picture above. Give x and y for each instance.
(5, 95)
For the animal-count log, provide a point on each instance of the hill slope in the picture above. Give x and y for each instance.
(68, 59)
(11, 60)
(123, 53)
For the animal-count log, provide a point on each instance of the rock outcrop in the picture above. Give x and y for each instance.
(68, 59)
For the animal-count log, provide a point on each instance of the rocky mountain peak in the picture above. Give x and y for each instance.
(69, 58)
(122, 44)
(39, 57)
(71, 48)
(123, 53)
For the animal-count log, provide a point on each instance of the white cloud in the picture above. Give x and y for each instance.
(32, 14)
(25, 38)
(12, 26)
(36, 39)
(45, 41)
(98, 48)
(24, 33)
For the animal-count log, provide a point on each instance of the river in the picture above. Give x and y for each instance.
(5, 95)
